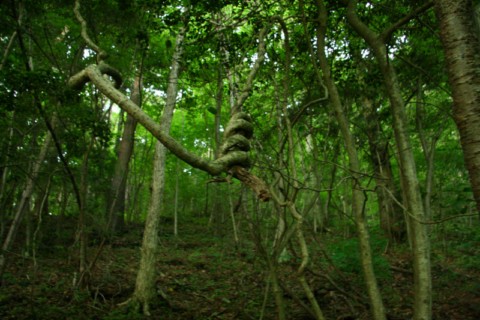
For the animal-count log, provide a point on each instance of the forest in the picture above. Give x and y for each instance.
(257, 159)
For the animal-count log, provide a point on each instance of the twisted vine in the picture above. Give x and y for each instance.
(238, 133)
(234, 154)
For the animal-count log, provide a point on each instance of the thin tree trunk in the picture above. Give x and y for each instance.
(232, 216)
(376, 302)
(177, 188)
(84, 272)
(125, 151)
(5, 172)
(40, 211)
(279, 212)
(34, 216)
(24, 201)
(319, 216)
(215, 219)
(177, 191)
(145, 288)
(392, 220)
(9, 47)
(292, 166)
(408, 172)
(218, 112)
(459, 32)
(428, 149)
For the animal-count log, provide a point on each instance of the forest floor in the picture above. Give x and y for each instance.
(206, 277)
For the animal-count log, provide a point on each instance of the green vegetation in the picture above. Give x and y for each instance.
(321, 162)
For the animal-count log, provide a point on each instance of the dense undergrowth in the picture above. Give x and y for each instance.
(201, 276)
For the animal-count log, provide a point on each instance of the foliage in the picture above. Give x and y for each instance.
(220, 49)
(345, 256)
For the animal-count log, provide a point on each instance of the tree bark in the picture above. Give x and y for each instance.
(460, 37)
(4, 169)
(177, 191)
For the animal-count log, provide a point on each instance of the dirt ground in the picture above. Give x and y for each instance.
(206, 277)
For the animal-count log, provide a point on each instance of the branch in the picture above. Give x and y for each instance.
(363, 30)
(370, 36)
(94, 74)
(247, 88)
(255, 183)
(102, 55)
(426, 221)
(8, 49)
(387, 33)
(78, 81)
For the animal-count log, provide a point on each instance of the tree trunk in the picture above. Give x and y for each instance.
(125, 151)
(218, 112)
(24, 201)
(41, 210)
(428, 147)
(4, 169)
(291, 197)
(177, 191)
(34, 217)
(232, 216)
(392, 220)
(15, 34)
(145, 286)
(408, 172)
(84, 272)
(460, 37)
(377, 308)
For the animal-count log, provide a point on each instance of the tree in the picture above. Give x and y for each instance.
(24, 203)
(414, 210)
(145, 288)
(116, 205)
(459, 31)
(378, 310)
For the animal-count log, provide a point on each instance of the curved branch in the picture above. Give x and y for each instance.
(79, 80)
(232, 162)
(370, 36)
(112, 72)
(102, 55)
(386, 34)
(94, 74)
